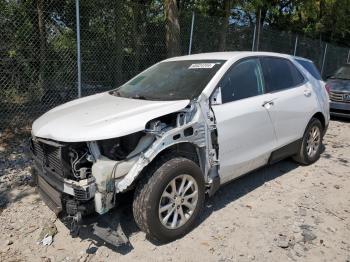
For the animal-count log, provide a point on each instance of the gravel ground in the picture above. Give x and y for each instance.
(278, 213)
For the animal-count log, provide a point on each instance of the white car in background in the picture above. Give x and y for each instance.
(176, 132)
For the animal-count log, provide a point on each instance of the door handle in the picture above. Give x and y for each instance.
(268, 103)
(307, 92)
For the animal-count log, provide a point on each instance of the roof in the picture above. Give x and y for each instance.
(225, 55)
(302, 58)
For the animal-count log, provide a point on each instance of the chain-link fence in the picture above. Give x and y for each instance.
(118, 39)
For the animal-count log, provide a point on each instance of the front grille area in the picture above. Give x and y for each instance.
(81, 194)
(49, 156)
(337, 97)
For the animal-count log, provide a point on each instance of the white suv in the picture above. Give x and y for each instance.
(174, 133)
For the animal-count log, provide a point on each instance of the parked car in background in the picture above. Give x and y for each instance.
(176, 132)
(338, 87)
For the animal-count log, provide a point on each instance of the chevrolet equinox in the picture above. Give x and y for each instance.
(176, 132)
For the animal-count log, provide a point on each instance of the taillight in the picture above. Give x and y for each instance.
(328, 87)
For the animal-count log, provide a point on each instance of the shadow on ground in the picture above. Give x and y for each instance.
(245, 184)
(341, 119)
(226, 194)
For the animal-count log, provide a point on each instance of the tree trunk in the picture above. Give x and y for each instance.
(224, 27)
(42, 39)
(172, 27)
(321, 12)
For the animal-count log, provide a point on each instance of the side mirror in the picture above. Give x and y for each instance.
(216, 97)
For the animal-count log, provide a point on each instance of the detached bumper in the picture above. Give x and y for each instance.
(51, 197)
(53, 192)
(73, 200)
(59, 193)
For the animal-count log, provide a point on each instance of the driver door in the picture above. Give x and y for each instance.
(245, 132)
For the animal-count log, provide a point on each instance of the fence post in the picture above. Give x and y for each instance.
(253, 44)
(258, 38)
(348, 60)
(295, 45)
(324, 58)
(78, 45)
(191, 35)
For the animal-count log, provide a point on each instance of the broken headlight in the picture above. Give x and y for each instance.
(119, 148)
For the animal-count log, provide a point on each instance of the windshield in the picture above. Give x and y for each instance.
(342, 73)
(174, 80)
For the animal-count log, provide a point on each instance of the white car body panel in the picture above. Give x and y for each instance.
(323, 97)
(101, 116)
(291, 111)
(318, 87)
(246, 136)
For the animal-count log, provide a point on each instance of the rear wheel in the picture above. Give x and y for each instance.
(168, 201)
(311, 146)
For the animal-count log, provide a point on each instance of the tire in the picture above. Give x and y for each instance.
(304, 157)
(150, 196)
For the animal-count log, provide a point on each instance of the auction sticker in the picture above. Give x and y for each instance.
(202, 65)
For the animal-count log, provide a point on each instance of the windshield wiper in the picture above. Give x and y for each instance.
(139, 97)
(115, 93)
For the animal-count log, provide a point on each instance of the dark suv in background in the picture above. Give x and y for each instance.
(338, 87)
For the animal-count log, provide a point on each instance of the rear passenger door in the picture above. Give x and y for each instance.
(291, 100)
(245, 132)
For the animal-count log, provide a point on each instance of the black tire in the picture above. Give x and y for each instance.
(303, 157)
(148, 194)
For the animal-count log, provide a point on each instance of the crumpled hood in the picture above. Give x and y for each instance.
(100, 116)
(339, 85)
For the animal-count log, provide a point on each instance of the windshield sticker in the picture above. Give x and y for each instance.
(202, 65)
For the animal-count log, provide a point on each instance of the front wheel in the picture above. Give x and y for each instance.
(168, 201)
(311, 146)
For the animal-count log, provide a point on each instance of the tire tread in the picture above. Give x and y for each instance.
(145, 186)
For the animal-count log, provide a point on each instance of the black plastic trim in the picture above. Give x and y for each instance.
(50, 195)
(285, 151)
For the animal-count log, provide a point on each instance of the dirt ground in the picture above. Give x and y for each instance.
(279, 213)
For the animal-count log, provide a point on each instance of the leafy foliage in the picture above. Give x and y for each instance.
(38, 67)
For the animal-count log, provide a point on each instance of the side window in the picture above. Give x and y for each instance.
(310, 67)
(243, 80)
(280, 73)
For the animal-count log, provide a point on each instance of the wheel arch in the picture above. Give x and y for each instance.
(184, 149)
(321, 117)
(181, 149)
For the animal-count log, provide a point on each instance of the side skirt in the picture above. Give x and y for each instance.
(276, 156)
(285, 151)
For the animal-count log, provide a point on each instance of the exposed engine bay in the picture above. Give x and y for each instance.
(85, 177)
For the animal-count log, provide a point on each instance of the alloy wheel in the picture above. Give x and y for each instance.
(313, 141)
(178, 201)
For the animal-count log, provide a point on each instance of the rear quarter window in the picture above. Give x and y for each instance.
(310, 67)
(280, 74)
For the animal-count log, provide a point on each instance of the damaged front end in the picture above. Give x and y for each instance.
(77, 179)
